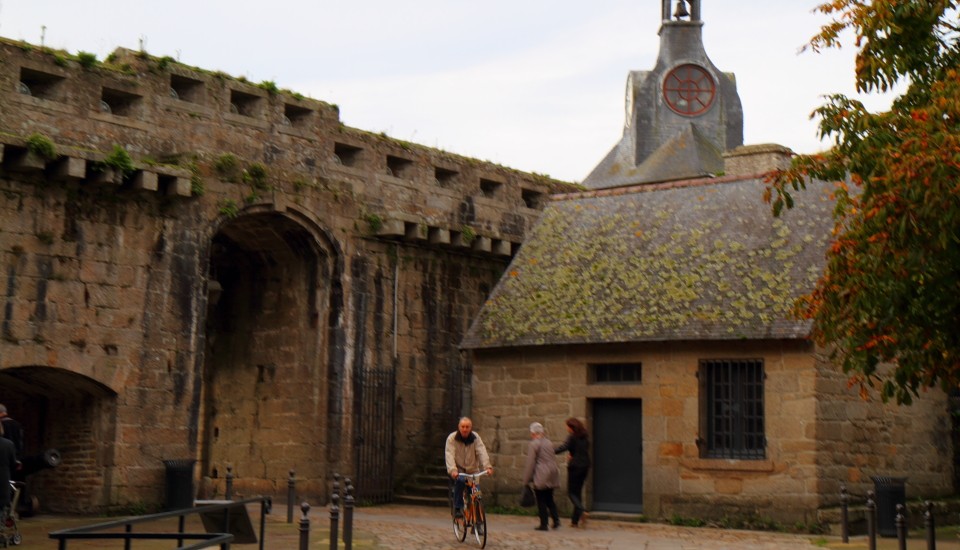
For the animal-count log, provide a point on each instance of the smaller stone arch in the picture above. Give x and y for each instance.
(74, 414)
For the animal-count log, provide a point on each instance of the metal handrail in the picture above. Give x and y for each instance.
(89, 532)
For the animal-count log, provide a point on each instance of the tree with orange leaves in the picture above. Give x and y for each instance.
(891, 289)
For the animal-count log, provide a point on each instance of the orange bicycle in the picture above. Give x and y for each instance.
(474, 519)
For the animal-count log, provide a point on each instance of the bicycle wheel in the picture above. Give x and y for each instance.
(460, 528)
(480, 524)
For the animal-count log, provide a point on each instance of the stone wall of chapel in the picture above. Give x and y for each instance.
(515, 387)
(858, 439)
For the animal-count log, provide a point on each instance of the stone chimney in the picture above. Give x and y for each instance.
(748, 160)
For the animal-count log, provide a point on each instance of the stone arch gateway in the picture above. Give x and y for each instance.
(272, 309)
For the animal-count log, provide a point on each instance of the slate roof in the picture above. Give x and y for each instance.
(688, 154)
(693, 260)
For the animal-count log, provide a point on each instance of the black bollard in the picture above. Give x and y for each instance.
(901, 523)
(291, 496)
(871, 522)
(348, 516)
(334, 519)
(844, 514)
(228, 495)
(304, 527)
(928, 523)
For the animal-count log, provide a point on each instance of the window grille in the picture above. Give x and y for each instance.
(732, 419)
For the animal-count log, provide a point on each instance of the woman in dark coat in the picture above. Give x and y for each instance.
(578, 464)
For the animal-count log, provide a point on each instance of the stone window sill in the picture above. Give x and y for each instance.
(727, 465)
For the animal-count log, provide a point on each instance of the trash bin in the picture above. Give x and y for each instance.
(890, 491)
(179, 483)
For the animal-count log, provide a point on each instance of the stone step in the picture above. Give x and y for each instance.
(421, 501)
(425, 490)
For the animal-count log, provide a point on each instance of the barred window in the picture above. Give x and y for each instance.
(731, 409)
(615, 373)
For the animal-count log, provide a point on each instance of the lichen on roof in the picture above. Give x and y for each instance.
(677, 263)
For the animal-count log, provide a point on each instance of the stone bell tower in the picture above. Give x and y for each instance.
(680, 117)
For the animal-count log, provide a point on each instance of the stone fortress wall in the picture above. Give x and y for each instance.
(209, 269)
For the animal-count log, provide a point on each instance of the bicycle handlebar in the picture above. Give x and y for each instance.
(474, 476)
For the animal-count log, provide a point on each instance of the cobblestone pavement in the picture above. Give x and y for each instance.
(396, 527)
(410, 527)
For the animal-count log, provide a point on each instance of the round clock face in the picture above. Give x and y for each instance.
(689, 90)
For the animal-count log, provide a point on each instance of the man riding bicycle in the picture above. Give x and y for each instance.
(464, 453)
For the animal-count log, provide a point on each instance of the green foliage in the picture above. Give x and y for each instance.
(164, 62)
(60, 60)
(226, 164)
(197, 188)
(111, 58)
(374, 221)
(256, 175)
(468, 234)
(686, 522)
(229, 208)
(510, 510)
(41, 146)
(270, 86)
(119, 159)
(890, 291)
(87, 60)
(134, 509)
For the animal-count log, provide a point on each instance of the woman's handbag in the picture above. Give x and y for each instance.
(526, 497)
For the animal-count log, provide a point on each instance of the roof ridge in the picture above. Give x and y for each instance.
(649, 187)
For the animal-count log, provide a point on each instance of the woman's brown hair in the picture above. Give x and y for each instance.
(578, 428)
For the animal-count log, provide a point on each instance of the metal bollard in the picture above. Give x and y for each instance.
(844, 514)
(228, 494)
(928, 523)
(304, 527)
(334, 519)
(291, 496)
(901, 523)
(871, 522)
(348, 516)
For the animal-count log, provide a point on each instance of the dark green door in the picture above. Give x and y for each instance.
(618, 455)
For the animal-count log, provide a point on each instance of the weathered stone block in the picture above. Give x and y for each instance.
(144, 181)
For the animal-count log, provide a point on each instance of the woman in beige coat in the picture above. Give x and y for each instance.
(541, 469)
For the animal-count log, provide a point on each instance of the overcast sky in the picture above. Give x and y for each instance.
(536, 85)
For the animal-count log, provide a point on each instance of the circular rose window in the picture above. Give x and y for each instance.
(689, 90)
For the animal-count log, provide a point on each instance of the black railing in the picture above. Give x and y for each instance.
(207, 540)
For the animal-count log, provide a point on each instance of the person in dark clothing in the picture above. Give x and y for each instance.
(8, 464)
(578, 464)
(12, 430)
